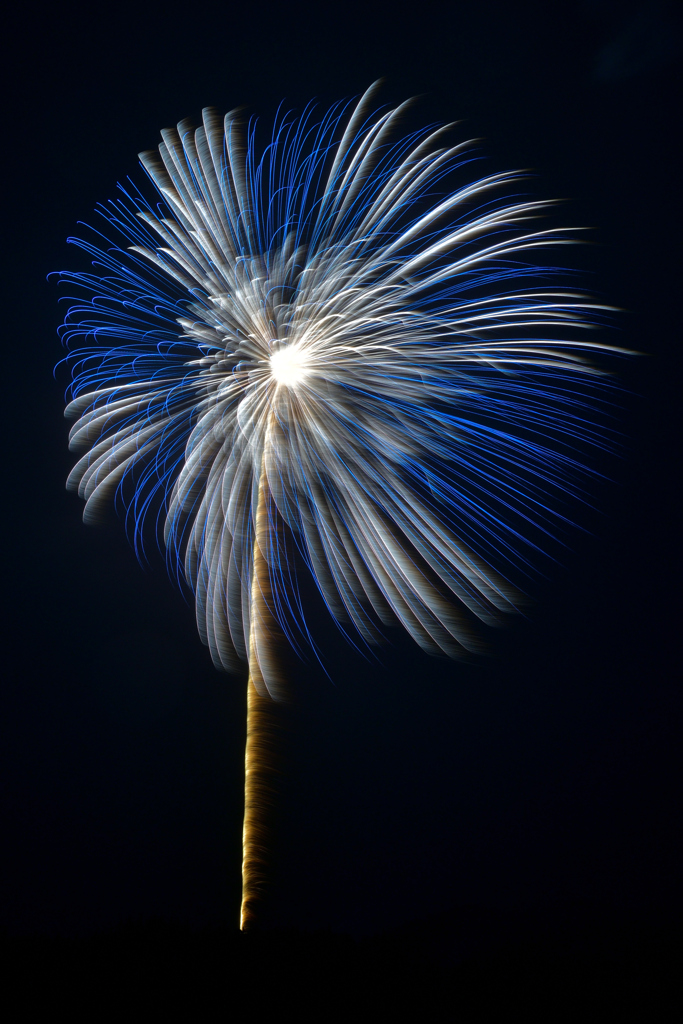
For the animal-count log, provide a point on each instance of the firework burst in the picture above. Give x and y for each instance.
(314, 350)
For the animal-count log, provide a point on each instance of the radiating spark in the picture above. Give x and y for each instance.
(319, 326)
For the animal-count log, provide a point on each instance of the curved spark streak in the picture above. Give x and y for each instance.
(312, 326)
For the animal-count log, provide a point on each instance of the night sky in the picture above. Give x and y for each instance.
(544, 775)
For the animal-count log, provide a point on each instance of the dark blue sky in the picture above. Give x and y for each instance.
(545, 773)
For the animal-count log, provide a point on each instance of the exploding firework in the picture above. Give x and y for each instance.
(320, 354)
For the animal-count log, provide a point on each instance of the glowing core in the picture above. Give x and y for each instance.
(288, 366)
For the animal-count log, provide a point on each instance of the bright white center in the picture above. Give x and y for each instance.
(288, 365)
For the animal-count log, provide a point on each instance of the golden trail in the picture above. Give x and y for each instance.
(261, 755)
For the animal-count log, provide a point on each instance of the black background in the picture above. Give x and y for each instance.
(543, 777)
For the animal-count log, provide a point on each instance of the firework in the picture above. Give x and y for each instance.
(318, 354)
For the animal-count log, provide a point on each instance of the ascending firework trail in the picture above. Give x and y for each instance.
(313, 351)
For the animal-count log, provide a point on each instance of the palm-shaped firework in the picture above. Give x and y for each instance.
(308, 350)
